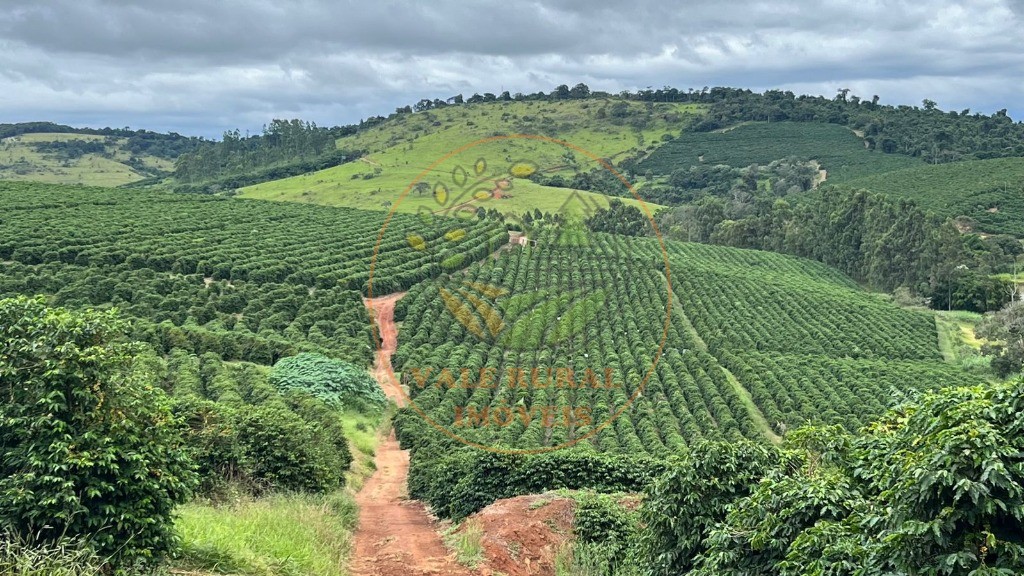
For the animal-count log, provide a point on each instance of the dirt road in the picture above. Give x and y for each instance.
(383, 311)
(396, 536)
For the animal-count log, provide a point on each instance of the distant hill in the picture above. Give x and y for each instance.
(402, 147)
(55, 153)
(674, 146)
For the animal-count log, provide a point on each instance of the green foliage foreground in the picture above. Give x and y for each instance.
(88, 449)
(936, 487)
(933, 488)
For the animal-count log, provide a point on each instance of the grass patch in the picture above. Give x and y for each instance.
(361, 431)
(539, 503)
(958, 343)
(70, 558)
(578, 558)
(278, 535)
(466, 540)
(19, 160)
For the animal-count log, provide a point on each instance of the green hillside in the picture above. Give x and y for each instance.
(578, 338)
(990, 192)
(67, 158)
(400, 149)
(837, 149)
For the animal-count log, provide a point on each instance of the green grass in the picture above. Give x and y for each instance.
(406, 148)
(67, 558)
(579, 558)
(466, 540)
(283, 534)
(361, 431)
(279, 535)
(20, 161)
(989, 191)
(958, 343)
(837, 149)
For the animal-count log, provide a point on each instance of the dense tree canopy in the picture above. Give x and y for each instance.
(883, 242)
(1003, 332)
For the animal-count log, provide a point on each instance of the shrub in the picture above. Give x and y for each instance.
(684, 504)
(466, 480)
(88, 448)
(336, 382)
(213, 442)
(283, 451)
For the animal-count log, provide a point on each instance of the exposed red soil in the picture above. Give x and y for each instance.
(522, 536)
(382, 310)
(396, 536)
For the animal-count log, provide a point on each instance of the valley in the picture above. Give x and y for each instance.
(662, 332)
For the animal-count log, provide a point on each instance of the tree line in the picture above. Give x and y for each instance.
(923, 131)
(883, 242)
(281, 142)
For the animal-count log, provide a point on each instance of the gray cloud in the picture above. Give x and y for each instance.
(201, 67)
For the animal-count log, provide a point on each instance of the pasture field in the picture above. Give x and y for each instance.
(400, 150)
(20, 160)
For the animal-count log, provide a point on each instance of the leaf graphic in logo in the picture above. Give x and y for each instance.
(539, 319)
(441, 194)
(417, 242)
(578, 316)
(517, 305)
(455, 235)
(491, 317)
(477, 314)
(487, 290)
(463, 313)
(453, 262)
(539, 315)
(523, 169)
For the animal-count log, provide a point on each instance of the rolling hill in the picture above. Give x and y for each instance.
(407, 146)
(70, 158)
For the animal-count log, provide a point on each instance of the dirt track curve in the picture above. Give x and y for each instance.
(396, 536)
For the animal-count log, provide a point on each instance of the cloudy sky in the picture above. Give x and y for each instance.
(203, 66)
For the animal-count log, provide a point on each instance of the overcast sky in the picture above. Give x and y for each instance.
(202, 66)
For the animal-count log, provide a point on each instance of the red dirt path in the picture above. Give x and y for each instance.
(383, 310)
(396, 536)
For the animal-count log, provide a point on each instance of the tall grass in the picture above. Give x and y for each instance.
(277, 535)
(467, 542)
(579, 558)
(69, 558)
